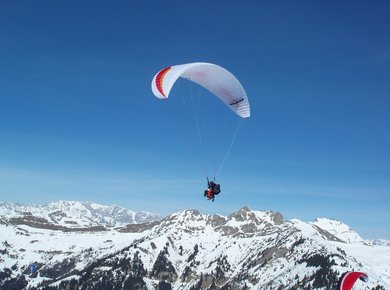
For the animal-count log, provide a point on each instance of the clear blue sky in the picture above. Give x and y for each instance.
(78, 120)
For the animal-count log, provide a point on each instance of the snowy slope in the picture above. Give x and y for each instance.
(188, 250)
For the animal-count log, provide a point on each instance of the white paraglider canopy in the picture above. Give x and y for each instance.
(214, 78)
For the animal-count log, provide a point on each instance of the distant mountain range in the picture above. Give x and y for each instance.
(73, 215)
(74, 245)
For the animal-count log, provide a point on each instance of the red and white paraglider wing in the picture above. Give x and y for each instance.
(350, 278)
(214, 78)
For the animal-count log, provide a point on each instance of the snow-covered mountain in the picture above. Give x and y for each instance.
(379, 242)
(338, 229)
(188, 250)
(72, 214)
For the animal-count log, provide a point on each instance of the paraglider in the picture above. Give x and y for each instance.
(220, 83)
(212, 190)
(348, 279)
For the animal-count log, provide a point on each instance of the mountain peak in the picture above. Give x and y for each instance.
(338, 229)
(245, 213)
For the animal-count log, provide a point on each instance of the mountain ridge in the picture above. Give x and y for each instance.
(247, 249)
